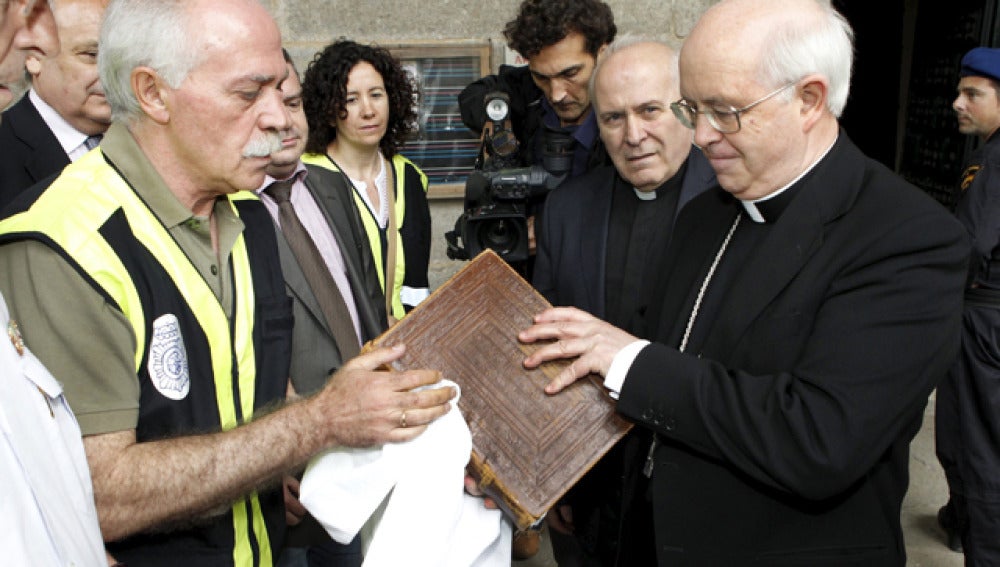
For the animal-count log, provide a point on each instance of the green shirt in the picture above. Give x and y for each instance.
(86, 343)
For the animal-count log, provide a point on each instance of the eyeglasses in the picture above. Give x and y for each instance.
(725, 121)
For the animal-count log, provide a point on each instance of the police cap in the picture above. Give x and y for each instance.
(982, 62)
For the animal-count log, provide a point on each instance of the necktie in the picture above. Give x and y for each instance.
(331, 303)
(92, 141)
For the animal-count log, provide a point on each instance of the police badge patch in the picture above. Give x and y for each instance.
(969, 175)
(168, 364)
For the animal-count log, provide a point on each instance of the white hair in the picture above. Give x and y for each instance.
(823, 45)
(143, 33)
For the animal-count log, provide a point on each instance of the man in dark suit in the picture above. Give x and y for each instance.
(601, 233)
(807, 311)
(594, 221)
(64, 114)
(324, 205)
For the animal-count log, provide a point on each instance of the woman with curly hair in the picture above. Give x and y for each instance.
(359, 103)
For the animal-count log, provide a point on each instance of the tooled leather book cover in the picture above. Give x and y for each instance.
(528, 448)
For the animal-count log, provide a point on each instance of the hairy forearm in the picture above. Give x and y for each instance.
(162, 484)
(139, 486)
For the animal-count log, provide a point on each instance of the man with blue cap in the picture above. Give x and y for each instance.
(968, 402)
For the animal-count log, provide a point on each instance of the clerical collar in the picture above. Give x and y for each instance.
(672, 182)
(645, 195)
(767, 209)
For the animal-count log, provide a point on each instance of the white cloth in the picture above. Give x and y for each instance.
(413, 295)
(428, 519)
(47, 514)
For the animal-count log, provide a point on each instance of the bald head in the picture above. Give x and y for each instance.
(728, 34)
(633, 86)
(763, 83)
(634, 55)
(777, 41)
(217, 24)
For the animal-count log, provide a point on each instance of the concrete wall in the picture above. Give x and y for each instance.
(308, 25)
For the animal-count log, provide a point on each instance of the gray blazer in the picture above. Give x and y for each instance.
(314, 352)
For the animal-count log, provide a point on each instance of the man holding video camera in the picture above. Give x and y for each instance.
(561, 40)
(549, 105)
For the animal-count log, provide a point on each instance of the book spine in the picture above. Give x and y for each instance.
(495, 489)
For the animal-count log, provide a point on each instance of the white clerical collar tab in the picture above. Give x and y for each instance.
(753, 212)
(645, 195)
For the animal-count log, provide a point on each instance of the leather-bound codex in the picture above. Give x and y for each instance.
(529, 447)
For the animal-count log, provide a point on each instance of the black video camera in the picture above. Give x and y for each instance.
(497, 195)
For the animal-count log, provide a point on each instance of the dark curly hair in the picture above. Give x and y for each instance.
(541, 23)
(324, 92)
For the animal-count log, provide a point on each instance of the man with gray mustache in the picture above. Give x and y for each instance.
(263, 145)
(147, 276)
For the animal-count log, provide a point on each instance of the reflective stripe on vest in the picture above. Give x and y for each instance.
(97, 192)
(399, 165)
